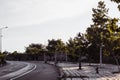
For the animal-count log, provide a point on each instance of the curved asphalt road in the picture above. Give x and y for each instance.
(11, 67)
(14, 69)
(42, 72)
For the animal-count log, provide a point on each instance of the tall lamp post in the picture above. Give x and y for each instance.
(1, 37)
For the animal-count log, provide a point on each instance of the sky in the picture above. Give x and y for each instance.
(36, 21)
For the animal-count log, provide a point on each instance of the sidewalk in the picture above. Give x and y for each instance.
(70, 71)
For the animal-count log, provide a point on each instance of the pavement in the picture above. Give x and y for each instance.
(70, 71)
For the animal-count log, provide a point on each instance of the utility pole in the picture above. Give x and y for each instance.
(1, 37)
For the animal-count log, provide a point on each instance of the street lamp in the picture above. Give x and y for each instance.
(1, 37)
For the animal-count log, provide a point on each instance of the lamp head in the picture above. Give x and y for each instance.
(6, 27)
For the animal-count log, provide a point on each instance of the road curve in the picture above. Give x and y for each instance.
(42, 72)
(14, 69)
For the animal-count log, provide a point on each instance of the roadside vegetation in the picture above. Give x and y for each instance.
(2, 59)
(102, 35)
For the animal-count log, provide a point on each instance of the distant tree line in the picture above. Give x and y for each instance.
(103, 34)
(3, 57)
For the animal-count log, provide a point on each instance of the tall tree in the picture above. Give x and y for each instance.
(112, 38)
(95, 31)
(100, 14)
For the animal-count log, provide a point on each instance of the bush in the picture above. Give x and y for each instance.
(2, 59)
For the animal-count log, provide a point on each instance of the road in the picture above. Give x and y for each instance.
(11, 67)
(34, 70)
(14, 69)
(42, 72)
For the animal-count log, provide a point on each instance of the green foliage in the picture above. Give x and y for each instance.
(95, 33)
(103, 32)
(77, 46)
(117, 1)
(112, 36)
(71, 49)
(55, 45)
(100, 14)
(35, 51)
(35, 48)
(2, 58)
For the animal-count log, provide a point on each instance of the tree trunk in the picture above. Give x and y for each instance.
(89, 60)
(55, 58)
(101, 55)
(80, 62)
(66, 57)
(45, 58)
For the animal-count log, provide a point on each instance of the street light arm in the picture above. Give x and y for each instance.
(6, 27)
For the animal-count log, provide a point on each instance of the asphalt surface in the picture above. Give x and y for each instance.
(14, 68)
(11, 67)
(41, 72)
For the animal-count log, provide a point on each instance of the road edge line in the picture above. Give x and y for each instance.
(23, 73)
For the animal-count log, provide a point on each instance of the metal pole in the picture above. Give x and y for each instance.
(1, 37)
(1, 40)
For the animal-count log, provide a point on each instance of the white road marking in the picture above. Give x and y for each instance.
(23, 73)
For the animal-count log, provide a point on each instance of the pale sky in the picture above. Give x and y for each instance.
(36, 21)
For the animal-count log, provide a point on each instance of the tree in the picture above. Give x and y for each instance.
(77, 47)
(34, 48)
(55, 46)
(104, 31)
(66, 51)
(95, 31)
(71, 49)
(112, 38)
(81, 45)
(117, 1)
(100, 14)
(2, 59)
(94, 39)
(34, 51)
